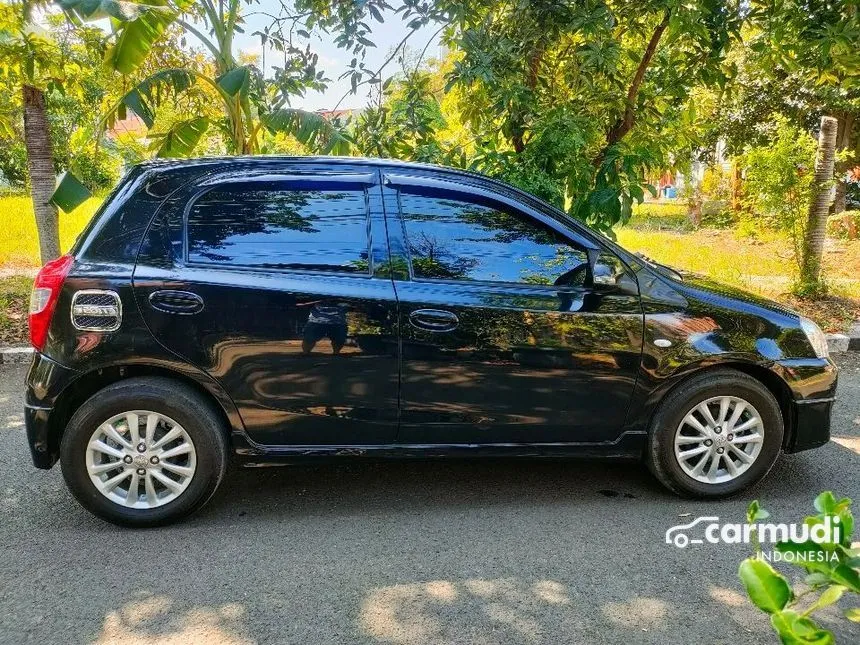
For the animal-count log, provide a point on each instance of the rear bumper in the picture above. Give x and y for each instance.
(37, 422)
(45, 380)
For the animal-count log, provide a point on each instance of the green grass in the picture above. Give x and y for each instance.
(19, 244)
(14, 300)
(717, 254)
(660, 216)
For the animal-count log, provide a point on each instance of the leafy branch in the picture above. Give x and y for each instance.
(832, 569)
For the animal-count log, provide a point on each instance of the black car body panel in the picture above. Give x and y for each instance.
(407, 336)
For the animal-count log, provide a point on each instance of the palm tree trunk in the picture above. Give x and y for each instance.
(819, 208)
(40, 163)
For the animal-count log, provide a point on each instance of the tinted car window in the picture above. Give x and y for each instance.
(273, 227)
(459, 240)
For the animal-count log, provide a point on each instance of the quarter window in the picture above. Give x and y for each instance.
(459, 240)
(273, 227)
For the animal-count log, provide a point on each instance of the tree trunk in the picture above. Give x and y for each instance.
(625, 123)
(518, 121)
(819, 208)
(40, 164)
(737, 188)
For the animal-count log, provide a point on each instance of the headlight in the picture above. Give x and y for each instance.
(815, 336)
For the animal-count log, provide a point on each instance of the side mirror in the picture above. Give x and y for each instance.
(604, 269)
(603, 276)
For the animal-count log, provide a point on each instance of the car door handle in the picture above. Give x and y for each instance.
(434, 320)
(176, 302)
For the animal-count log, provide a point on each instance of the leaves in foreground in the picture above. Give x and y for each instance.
(832, 568)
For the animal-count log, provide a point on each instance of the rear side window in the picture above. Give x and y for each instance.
(266, 226)
(454, 239)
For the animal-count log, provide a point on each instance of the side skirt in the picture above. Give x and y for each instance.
(629, 445)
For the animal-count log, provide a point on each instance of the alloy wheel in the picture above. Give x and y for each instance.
(719, 439)
(141, 459)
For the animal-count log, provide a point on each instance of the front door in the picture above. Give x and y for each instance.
(272, 290)
(506, 338)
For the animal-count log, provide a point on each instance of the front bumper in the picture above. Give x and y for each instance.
(813, 387)
(45, 381)
(811, 426)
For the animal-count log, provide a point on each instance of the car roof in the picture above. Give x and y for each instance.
(254, 160)
(251, 161)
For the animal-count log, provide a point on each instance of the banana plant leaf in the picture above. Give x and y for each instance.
(122, 10)
(309, 128)
(135, 38)
(181, 139)
(144, 97)
(236, 81)
(69, 193)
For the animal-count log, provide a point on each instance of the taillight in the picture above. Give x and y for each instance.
(43, 300)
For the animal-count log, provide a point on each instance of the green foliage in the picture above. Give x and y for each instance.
(138, 33)
(13, 162)
(778, 182)
(716, 215)
(181, 139)
(817, 39)
(832, 569)
(716, 184)
(768, 590)
(98, 169)
(310, 129)
(579, 101)
(251, 105)
(65, 62)
(408, 125)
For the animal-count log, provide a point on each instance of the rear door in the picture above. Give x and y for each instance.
(506, 338)
(271, 284)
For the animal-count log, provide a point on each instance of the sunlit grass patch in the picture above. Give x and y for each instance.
(19, 244)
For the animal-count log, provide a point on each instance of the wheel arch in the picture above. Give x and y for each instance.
(86, 385)
(767, 377)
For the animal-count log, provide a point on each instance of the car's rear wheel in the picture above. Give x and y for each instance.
(144, 452)
(715, 435)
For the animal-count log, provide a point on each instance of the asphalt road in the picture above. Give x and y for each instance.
(411, 552)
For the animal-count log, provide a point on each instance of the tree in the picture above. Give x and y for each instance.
(76, 83)
(816, 227)
(31, 57)
(778, 183)
(250, 104)
(816, 43)
(578, 99)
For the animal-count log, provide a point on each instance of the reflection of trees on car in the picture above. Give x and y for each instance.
(221, 214)
(458, 240)
(430, 259)
(223, 220)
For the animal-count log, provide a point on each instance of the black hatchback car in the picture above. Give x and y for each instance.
(274, 309)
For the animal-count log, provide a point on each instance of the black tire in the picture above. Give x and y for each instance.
(164, 396)
(660, 455)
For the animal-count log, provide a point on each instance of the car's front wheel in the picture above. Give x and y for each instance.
(144, 452)
(715, 435)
